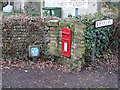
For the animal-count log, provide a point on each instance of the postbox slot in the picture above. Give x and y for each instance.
(66, 39)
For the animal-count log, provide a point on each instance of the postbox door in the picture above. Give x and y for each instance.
(66, 42)
(66, 47)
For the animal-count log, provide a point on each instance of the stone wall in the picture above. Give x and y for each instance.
(21, 31)
(77, 45)
(53, 36)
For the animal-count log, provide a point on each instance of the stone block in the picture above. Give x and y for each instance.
(52, 24)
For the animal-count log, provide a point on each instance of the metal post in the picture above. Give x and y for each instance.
(118, 48)
(119, 8)
(76, 11)
(93, 52)
(1, 49)
(0, 35)
(50, 12)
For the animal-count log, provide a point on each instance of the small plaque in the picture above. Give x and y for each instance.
(34, 51)
(65, 47)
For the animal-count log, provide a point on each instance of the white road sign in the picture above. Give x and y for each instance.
(101, 23)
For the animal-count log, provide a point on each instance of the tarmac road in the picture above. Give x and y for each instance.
(50, 78)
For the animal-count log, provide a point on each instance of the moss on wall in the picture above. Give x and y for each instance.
(76, 61)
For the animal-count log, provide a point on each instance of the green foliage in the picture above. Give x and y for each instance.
(69, 15)
(113, 5)
(14, 58)
(67, 25)
(97, 38)
(10, 13)
(20, 58)
(32, 10)
(70, 26)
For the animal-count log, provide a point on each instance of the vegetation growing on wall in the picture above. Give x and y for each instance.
(84, 37)
(96, 38)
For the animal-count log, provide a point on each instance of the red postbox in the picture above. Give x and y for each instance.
(66, 42)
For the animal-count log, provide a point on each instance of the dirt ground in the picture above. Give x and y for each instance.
(53, 78)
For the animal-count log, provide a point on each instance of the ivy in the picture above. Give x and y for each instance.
(97, 38)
